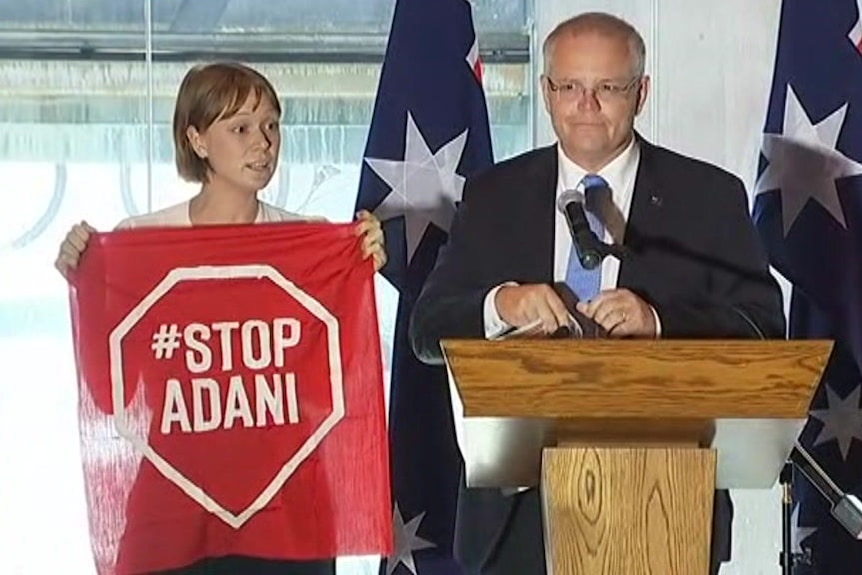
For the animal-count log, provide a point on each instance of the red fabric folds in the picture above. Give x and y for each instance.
(231, 395)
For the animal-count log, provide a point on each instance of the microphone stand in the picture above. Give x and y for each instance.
(788, 558)
(602, 249)
(845, 508)
(605, 250)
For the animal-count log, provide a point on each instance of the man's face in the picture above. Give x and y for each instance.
(592, 93)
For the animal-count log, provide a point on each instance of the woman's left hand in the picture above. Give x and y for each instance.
(369, 228)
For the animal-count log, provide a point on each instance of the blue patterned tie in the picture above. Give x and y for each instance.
(587, 283)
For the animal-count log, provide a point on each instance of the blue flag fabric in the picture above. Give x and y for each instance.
(808, 209)
(428, 132)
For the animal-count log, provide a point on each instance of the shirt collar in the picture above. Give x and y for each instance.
(616, 173)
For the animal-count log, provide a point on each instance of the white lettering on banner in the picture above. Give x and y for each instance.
(225, 328)
(210, 386)
(174, 410)
(215, 346)
(262, 345)
(204, 359)
(270, 400)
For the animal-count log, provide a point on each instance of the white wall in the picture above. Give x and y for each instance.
(711, 67)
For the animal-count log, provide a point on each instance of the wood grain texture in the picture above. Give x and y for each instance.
(693, 379)
(628, 511)
(619, 432)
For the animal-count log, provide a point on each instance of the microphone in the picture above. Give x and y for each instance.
(589, 248)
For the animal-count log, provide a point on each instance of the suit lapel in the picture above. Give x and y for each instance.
(646, 212)
(539, 205)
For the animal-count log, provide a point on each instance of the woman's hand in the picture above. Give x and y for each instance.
(72, 248)
(369, 228)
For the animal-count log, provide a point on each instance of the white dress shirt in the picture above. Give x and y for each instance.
(620, 175)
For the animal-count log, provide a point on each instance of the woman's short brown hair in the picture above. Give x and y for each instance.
(207, 93)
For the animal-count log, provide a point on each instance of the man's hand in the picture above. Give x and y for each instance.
(522, 305)
(621, 313)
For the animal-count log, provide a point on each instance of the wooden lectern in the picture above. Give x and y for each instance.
(629, 439)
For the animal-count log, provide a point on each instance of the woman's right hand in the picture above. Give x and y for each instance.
(72, 248)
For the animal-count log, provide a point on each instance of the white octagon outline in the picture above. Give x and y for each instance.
(254, 271)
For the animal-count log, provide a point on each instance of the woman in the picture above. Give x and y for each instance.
(227, 138)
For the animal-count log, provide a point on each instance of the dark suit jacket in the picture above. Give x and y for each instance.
(693, 254)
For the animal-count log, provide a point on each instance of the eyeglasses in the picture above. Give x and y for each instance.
(604, 91)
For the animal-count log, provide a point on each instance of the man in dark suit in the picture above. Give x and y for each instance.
(694, 266)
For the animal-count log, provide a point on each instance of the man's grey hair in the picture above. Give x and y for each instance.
(602, 23)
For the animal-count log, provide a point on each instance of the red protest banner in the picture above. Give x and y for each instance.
(231, 395)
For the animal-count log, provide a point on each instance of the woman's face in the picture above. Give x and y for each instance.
(242, 150)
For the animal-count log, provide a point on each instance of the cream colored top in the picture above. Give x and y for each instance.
(178, 216)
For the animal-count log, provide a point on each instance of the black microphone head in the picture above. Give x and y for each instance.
(587, 245)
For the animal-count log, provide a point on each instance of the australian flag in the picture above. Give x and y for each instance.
(808, 209)
(429, 131)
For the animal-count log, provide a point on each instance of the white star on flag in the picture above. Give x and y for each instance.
(406, 542)
(842, 419)
(804, 163)
(424, 185)
(798, 534)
